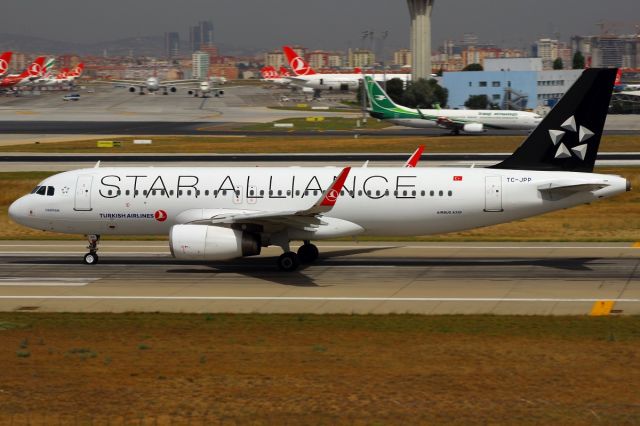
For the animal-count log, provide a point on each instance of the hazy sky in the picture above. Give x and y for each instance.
(331, 24)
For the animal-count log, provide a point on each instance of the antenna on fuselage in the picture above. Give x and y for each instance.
(97, 165)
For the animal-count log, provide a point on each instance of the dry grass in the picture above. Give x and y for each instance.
(284, 369)
(614, 219)
(311, 144)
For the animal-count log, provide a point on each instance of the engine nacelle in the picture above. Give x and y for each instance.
(173, 89)
(473, 128)
(132, 89)
(204, 242)
(191, 92)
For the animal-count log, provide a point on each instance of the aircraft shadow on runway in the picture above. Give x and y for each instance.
(263, 268)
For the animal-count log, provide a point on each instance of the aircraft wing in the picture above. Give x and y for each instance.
(178, 82)
(131, 82)
(307, 219)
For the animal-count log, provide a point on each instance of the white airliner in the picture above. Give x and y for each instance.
(153, 84)
(213, 214)
(306, 77)
(457, 120)
(204, 89)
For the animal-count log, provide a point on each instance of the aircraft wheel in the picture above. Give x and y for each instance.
(308, 253)
(90, 258)
(288, 262)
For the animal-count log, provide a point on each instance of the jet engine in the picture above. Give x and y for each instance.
(204, 242)
(132, 89)
(473, 128)
(173, 89)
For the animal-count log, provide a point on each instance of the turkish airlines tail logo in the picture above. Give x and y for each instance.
(36, 68)
(5, 58)
(297, 64)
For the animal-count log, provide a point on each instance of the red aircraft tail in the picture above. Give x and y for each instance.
(36, 69)
(284, 72)
(5, 58)
(297, 64)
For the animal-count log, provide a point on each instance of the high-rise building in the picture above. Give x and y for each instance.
(319, 59)
(201, 35)
(547, 49)
(171, 44)
(200, 65)
(274, 59)
(420, 13)
(194, 38)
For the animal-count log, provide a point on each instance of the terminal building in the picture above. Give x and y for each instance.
(510, 83)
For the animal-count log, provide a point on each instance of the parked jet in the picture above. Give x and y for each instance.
(305, 76)
(33, 72)
(5, 59)
(205, 89)
(457, 120)
(214, 214)
(623, 87)
(153, 84)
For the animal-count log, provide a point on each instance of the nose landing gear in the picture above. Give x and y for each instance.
(91, 258)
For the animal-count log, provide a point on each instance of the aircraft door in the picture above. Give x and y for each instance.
(83, 193)
(493, 194)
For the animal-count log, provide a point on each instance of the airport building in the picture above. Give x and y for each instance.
(200, 65)
(519, 83)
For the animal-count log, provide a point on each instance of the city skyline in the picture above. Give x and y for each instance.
(326, 25)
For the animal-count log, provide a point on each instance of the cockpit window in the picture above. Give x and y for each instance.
(35, 189)
(41, 190)
(50, 191)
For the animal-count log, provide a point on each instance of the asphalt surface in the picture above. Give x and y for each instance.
(447, 278)
(204, 128)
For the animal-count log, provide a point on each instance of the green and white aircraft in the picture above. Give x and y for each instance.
(457, 120)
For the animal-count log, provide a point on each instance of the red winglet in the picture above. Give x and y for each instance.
(415, 157)
(332, 194)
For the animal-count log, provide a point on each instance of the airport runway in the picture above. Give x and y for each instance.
(382, 277)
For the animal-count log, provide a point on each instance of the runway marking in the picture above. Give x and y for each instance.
(45, 282)
(324, 299)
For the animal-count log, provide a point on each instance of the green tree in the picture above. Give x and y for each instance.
(473, 67)
(557, 64)
(395, 89)
(477, 102)
(424, 93)
(578, 61)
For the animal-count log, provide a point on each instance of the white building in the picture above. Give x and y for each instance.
(200, 65)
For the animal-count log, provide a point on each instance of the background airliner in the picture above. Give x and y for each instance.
(32, 73)
(305, 76)
(153, 84)
(456, 120)
(204, 89)
(213, 214)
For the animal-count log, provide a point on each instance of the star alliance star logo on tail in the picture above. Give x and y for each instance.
(580, 149)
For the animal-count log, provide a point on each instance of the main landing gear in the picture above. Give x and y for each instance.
(91, 258)
(290, 261)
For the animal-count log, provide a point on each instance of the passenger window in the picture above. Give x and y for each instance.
(126, 192)
(224, 192)
(413, 193)
(197, 192)
(404, 193)
(450, 193)
(153, 192)
(171, 192)
(206, 192)
(440, 193)
(422, 193)
(377, 192)
(144, 192)
(188, 192)
(118, 192)
(180, 192)
(261, 192)
(110, 192)
(431, 193)
(251, 192)
(41, 190)
(137, 192)
(360, 193)
(279, 191)
(50, 191)
(297, 192)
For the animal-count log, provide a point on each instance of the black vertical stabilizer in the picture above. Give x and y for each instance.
(569, 136)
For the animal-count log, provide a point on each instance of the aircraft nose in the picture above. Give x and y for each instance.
(19, 211)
